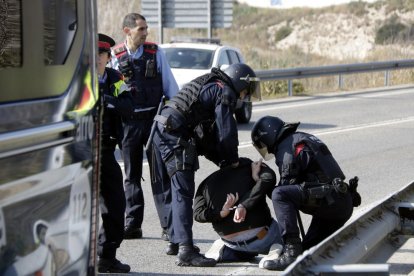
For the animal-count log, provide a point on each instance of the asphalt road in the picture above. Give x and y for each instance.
(371, 134)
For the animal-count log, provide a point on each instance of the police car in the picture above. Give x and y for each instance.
(190, 58)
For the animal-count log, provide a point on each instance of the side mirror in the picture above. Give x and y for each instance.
(224, 67)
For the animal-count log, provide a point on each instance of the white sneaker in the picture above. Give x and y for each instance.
(274, 253)
(216, 250)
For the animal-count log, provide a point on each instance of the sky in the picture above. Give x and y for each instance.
(297, 3)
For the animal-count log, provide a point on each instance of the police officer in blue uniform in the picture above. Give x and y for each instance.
(208, 102)
(112, 197)
(310, 181)
(149, 77)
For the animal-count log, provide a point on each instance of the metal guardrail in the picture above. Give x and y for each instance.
(340, 70)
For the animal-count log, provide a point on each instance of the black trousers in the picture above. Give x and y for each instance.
(111, 202)
(161, 187)
(326, 218)
(136, 133)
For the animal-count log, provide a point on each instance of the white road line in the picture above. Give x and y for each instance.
(286, 105)
(246, 144)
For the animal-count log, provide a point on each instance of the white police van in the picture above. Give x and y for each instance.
(49, 147)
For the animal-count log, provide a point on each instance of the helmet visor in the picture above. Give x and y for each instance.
(262, 149)
(253, 87)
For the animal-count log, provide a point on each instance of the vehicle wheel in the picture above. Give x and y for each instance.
(244, 113)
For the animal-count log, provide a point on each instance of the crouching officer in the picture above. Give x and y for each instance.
(310, 181)
(208, 98)
(112, 197)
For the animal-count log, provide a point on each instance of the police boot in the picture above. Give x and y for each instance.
(292, 249)
(172, 248)
(188, 256)
(112, 266)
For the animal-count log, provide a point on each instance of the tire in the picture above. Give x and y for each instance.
(244, 113)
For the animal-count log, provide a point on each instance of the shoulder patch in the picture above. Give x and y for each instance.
(298, 148)
(119, 50)
(150, 47)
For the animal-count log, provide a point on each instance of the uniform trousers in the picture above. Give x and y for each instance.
(111, 202)
(326, 218)
(136, 133)
(181, 182)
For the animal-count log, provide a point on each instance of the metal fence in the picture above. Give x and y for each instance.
(320, 71)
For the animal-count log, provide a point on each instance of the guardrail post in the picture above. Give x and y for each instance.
(387, 78)
(290, 88)
(340, 81)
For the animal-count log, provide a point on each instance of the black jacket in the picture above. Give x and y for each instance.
(211, 195)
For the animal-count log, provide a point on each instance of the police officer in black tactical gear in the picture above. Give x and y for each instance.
(112, 197)
(206, 103)
(310, 181)
(149, 78)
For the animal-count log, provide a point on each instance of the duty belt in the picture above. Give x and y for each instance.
(258, 236)
(141, 115)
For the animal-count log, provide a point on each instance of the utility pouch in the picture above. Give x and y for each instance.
(150, 70)
(316, 192)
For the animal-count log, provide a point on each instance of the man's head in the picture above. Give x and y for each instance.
(267, 132)
(243, 78)
(135, 28)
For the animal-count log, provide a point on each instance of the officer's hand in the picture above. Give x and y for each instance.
(256, 166)
(240, 214)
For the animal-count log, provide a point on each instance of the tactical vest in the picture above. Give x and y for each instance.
(186, 100)
(327, 164)
(148, 88)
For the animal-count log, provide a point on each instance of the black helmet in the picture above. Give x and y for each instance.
(242, 77)
(267, 133)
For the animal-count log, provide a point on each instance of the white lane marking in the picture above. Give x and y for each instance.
(285, 105)
(246, 144)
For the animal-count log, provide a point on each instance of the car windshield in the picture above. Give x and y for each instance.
(186, 58)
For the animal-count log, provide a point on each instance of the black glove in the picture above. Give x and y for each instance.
(356, 197)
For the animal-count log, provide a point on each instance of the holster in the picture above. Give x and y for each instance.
(316, 192)
(185, 157)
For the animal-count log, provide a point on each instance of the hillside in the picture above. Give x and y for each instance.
(273, 38)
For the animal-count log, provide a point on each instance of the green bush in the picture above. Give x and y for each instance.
(283, 32)
(280, 88)
(390, 33)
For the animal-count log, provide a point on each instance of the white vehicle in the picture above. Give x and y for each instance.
(189, 60)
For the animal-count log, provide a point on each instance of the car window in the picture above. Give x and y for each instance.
(186, 58)
(223, 59)
(234, 58)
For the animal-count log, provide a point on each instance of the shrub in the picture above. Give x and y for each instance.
(390, 33)
(272, 89)
(282, 33)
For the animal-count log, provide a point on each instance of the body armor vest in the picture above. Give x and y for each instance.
(186, 100)
(327, 164)
(147, 81)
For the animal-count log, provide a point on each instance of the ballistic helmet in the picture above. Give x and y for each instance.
(242, 77)
(267, 132)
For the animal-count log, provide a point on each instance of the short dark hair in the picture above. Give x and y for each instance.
(130, 20)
